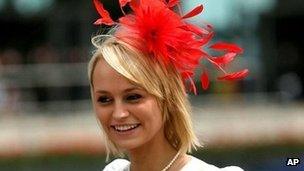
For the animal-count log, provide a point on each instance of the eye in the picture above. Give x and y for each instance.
(104, 99)
(133, 97)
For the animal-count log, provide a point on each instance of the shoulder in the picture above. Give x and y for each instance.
(117, 165)
(199, 165)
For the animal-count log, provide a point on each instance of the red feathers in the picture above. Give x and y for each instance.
(227, 47)
(123, 2)
(194, 12)
(235, 75)
(105, 16)
(156, 29)
(205, 80)
(172, 3)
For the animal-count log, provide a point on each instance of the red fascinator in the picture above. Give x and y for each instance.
(153, 27)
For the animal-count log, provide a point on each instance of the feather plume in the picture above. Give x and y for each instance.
(155, 29)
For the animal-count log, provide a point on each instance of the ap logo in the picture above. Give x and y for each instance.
(292, 161)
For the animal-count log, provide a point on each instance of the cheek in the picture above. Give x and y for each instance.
(151, 113)
(103, 115)
(157, 116)
(158, 119)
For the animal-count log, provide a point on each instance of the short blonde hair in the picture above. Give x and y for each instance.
(161, 80)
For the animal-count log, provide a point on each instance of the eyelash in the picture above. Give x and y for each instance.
(103, 99)
(131, 98)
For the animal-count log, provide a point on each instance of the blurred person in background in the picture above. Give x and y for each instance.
(9, 92)
(11, 57)
(138, 76)
(2, 88)
(43, 55)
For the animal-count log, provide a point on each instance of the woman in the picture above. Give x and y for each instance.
(138, 77)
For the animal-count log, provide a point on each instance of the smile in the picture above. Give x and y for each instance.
(122, 128)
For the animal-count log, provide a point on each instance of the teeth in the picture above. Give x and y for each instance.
(125, 127)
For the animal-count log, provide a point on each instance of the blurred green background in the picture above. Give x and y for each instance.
(46, 117)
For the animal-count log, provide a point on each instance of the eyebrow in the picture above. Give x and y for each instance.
(125, 91)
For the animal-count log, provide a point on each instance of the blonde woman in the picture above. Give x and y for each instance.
(138, 76)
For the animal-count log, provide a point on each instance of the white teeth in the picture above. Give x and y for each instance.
(125, 127)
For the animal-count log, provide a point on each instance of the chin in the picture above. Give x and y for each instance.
(127, 140)
(128, 145)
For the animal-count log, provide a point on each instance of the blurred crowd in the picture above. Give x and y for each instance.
(43, 54)
(12, 91)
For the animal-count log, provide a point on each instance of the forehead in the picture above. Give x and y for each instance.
(106, 78)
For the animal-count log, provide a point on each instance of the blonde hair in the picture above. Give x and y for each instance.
(161, 80)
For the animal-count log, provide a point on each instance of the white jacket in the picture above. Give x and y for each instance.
(194, 164)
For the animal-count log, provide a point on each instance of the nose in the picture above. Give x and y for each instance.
(120, 111)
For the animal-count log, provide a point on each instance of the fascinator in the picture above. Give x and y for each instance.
(154, 27)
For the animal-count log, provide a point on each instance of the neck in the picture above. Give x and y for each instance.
(153, 156)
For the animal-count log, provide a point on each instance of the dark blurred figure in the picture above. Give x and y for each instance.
(44, 54)
(77, 55)
(290, 80)
(9, 90)
(11, 57)
(3, 94)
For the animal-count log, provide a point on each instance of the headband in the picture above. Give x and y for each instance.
(153, 27)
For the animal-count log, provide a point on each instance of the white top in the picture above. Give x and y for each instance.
(194, 164)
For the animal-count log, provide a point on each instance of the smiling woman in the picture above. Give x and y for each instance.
(130, 115)
(138, 75)
(143, 109)
(126, 80)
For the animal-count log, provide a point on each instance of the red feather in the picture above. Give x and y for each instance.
(123, 2)
(194, 12)
(156, 26)
(157, 30)
(134, 4)
(172, 3)
(193, 87)
(235, 76)
(225, 59)
(194, 29)
(105, 16)
(205, 80)
(186, 74)
(229, 47)
(206, 39)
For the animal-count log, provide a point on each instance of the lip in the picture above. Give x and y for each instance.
(125, 129)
